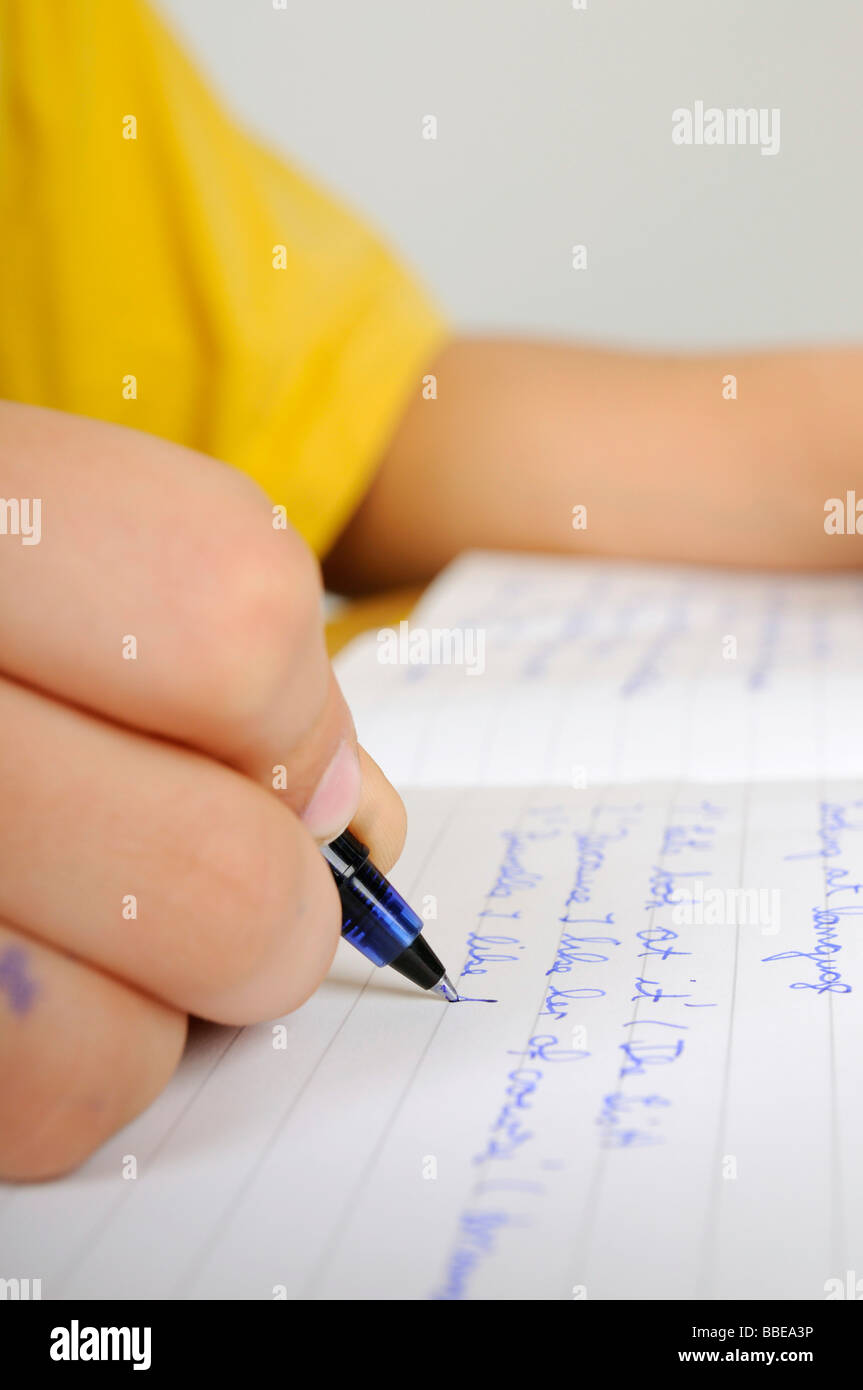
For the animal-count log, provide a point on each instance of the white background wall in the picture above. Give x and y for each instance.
(555, 128)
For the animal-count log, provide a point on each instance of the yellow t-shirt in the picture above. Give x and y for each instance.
(161, 269)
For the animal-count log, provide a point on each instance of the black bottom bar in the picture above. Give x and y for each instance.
(244, 1339)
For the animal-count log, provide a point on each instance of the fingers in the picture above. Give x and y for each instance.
(162, 673)
(158, 865)
(80, 1056)
(161, 595)
(381, 819)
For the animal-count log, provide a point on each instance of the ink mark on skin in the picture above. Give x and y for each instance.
(15, 982)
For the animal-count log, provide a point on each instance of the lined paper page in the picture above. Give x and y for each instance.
(662, 1100)
(654, 1106)
(596, 672)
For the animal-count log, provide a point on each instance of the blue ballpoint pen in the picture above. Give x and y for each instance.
(379, 922)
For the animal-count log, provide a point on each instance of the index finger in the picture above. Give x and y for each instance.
(162, 595)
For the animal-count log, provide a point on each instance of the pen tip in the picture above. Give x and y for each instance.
(446, 989)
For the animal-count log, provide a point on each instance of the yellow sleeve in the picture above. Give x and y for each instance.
(161, 269)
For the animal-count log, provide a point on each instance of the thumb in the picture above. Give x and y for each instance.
(381, 820)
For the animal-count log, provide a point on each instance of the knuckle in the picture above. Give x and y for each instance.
(270, 601)
(260, 605)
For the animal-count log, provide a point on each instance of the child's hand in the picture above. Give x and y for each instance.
(167, 718)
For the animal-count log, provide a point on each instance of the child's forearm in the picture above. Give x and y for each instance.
(666, 460)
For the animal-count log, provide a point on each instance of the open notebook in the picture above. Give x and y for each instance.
(636, 825)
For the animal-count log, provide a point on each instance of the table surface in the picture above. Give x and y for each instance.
(380, 610)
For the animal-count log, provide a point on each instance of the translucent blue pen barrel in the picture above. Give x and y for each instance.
(375, 918)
